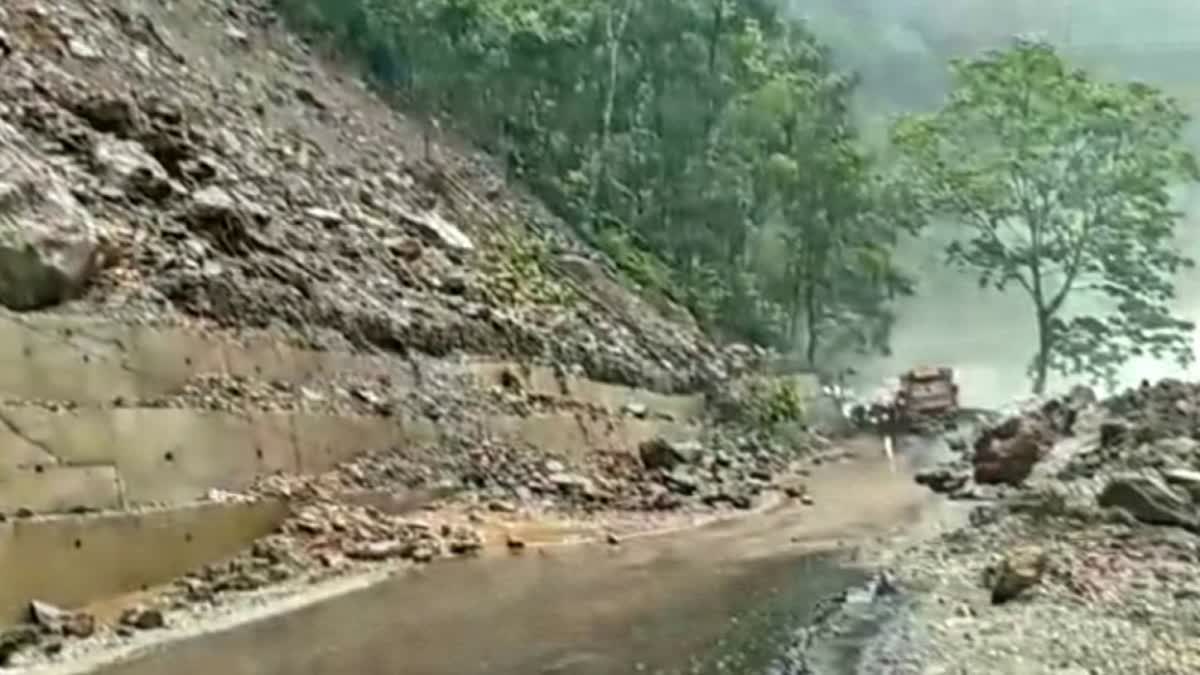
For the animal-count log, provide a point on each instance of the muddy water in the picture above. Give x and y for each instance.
(720, 599)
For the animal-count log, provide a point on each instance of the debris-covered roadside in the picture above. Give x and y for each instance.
(1081, 555)
(467, 494)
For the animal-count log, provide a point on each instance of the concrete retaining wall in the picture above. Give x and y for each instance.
(576, 435)
(543, 381)
(61, 358)
(74, 560)
(48, 357)
(106, 458)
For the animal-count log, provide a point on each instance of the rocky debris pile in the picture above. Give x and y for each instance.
(1022, 590)
(1147, 427)
(1090, 557)
(238, 181)
(1151, 412)
(322, 538)
(46, 627)
(231, 393)
(325, 536)
(984, 463)
(718, 471)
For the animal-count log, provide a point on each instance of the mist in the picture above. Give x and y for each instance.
(901, 48)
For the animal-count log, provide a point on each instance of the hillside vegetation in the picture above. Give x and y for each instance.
(707, 147)
(710, 148)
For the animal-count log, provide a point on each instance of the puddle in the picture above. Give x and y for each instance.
(725, 598)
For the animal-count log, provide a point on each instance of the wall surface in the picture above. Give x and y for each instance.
(70, 560)
(103, 453)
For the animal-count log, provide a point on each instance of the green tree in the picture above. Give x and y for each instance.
(1061, 185)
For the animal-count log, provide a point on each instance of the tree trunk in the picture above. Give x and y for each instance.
(614, 33)
(1041, 361)
(812, 312)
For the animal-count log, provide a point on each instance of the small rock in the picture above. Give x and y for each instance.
(212, 203)
(439, 231)
(1021, 569)
(612, 539)
(1183, 477)
(682, 481)
(514, 542)
(942, 479)
(1113, 432)
(16, 639)
(143, 618)
(464, 541)
(501, 507)
(82, 49)
(237, 35)
(325, 216)
(378, 550)
(455, 284)
(423, 553)
(660, 453)
(795, 490)
(638, 410)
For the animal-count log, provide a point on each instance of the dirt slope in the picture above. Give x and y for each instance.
(191, 161)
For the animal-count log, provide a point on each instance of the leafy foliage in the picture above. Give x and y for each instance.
(706, 145)
(1061, 184)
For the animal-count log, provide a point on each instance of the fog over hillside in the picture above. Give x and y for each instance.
(900, 47)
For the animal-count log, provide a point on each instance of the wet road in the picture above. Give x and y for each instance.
(652, 605)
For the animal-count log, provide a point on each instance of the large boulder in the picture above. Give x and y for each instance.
(660, 453)
(1149, 500)
(1006, 454)
(129, 170)
(50, 249)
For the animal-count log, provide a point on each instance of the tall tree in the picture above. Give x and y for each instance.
(1061, 184)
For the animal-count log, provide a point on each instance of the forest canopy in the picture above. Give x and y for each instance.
(712, 150)
(679, 136)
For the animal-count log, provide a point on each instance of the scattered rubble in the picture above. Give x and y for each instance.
(1098, 512)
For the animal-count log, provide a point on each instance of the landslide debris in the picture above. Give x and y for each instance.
(161, 170)
(192, 164)
(1087, 560)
